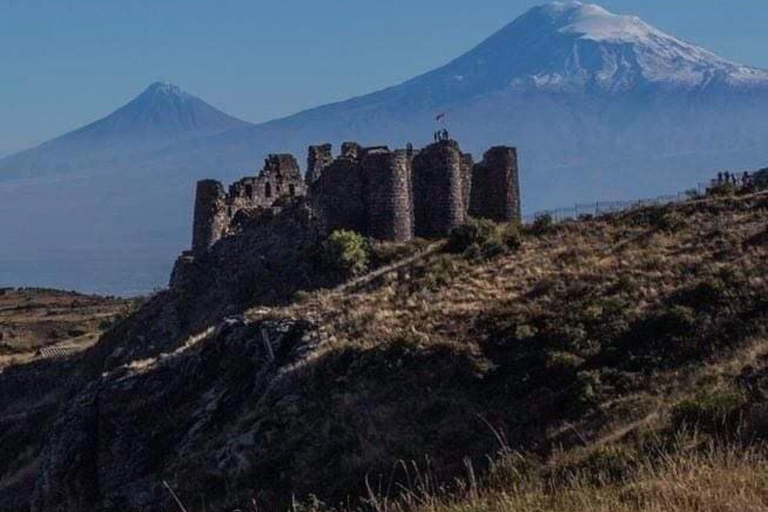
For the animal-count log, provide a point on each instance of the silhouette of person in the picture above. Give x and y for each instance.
(720, 178)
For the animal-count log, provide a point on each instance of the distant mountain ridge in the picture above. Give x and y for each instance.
(601, 107)
(160, 116)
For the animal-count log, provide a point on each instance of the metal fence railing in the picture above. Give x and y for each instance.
(581, 210)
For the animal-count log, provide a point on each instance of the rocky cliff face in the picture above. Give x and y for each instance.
(111, 450)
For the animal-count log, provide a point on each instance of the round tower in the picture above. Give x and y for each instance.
(439, 189)
(211, 218)
(495, 192)
(387, 193)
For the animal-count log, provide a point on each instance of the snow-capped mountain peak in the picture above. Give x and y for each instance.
(574, 46)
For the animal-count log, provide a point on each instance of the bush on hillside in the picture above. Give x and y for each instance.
(474, 232)
(711, 411)
(346, 252)
(543, 225)
(761, 179)
(666, 218)
(723, 190)
(511, 236)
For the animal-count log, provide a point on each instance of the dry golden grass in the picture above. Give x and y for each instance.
(596, 284)
(438, 297)
(717, 480)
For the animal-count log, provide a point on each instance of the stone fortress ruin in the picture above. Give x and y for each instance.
(393, 195)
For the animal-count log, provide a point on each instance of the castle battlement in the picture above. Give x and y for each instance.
(378, 192)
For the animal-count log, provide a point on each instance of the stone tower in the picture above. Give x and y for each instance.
(211, 219)
(388, 197)
(495, 190)
(318, 158)
(337, 196)
(439, 189)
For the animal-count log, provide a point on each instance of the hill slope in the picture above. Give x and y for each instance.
(589, 332)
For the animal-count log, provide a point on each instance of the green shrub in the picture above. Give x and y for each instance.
(723, 190)
(606, 465)
(761, 179)
(666, 219)
(543, 225)
(492, 248)
(678, 320)
(484, 239)
(711, 410)
(511, 236)
(473, 232)
(346, 252)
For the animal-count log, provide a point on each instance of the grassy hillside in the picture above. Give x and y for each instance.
(620, 331)
(617, 363)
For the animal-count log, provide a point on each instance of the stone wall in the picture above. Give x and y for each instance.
(439, 189)
(384, 194)
(495, 192)
(215, 210)
(388, 197)
(467, 165)
(211, 219)
(337, 196)
(318, 158)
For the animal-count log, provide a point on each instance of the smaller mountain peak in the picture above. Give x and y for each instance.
(166, 88)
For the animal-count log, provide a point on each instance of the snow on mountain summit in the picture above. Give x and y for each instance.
(593, 22)
(574, 46)
(167, 89)
(660, 57)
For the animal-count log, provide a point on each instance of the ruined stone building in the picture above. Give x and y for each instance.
(217, 210)
(385, 194)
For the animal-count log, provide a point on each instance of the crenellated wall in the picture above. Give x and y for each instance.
(378, 192)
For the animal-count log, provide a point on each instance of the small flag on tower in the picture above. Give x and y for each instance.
(440, 117)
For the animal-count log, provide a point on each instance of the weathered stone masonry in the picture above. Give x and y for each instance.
(495, 193)
(387, 194)
(439, 189)
(381, 193)
(216, 211)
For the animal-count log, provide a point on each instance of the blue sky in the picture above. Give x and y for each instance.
(65, 63)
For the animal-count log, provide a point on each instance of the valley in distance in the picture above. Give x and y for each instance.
(408, 322)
